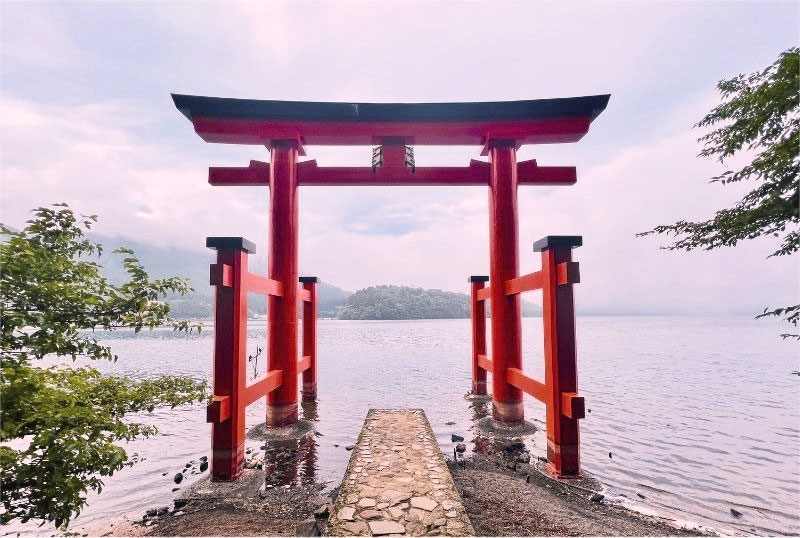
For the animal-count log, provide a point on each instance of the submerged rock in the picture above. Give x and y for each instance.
(178, 478)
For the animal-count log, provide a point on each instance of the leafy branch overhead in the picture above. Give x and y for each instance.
(67, 420)
(759, 116)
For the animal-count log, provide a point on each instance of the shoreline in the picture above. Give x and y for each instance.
(502, 495)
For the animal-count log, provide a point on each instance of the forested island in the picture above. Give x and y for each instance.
(403, 302)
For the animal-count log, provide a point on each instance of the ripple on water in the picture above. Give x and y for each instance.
(698, 424)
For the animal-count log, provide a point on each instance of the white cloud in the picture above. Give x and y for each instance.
(141, 168)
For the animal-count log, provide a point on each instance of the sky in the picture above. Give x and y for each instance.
(87, 119)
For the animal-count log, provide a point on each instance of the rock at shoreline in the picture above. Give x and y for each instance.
(307, 528)
(322, 512)
(178, 478)
(461, 448)
(456, 438)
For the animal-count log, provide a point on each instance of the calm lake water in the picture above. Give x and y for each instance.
(700, 415)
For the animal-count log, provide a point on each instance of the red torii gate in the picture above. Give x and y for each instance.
(500, 128)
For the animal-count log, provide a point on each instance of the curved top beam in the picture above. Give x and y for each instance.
(249, 121)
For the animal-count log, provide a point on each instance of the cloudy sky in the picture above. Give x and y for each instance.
(87, 119)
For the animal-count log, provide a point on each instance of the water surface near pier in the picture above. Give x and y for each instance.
(690, 417)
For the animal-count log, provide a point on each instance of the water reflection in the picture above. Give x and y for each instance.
(291, 454)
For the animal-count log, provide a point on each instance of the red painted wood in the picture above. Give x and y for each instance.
(503, 266)
(485, 363)
(282, 311)
(478, 309)
(568, 273)
(264, 286)
(572, 405)
(529, 282)
(347, 133)
(558, 314)
(263, 387)
(221, 275)
(308, 173)
(230, 334)
(304, 295)
(528, 385)
(484, 294)
(310, 342)
(219, 410)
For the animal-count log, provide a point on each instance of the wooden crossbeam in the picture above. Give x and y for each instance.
(309, 173)
(484, 293)
(485, 363)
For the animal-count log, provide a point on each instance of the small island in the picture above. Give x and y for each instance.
(404, 302)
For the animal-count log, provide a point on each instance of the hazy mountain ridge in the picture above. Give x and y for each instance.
(374, 302)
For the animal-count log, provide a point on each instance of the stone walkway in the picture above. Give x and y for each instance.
(397, 482)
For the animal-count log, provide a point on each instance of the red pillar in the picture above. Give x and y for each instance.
(282, 311)
(310, 338)
(230, 344)
(561, 371)
(478, 309)
(504, 265)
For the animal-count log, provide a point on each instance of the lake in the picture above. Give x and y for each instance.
(697, 415)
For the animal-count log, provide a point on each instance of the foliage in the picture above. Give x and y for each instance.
(759, 115)
(60, 424)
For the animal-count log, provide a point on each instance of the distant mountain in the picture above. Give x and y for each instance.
(191, 264)
(402, 302)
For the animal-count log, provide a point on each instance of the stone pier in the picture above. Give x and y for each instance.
(397, 482)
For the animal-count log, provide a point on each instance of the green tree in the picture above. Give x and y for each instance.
(759, 116)
(60, 425)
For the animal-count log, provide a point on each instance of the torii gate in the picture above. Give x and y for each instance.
(286, 127)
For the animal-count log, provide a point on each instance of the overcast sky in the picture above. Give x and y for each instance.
(87, 119)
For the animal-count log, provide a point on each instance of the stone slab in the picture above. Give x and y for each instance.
(397, 482)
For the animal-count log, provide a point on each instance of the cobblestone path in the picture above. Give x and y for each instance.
(397, 482)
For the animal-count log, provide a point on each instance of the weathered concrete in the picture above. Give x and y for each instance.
(397, 482)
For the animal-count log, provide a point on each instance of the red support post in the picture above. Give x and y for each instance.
(230, 345)
(478, 310)
(504, 265)
(310, 338)
(282, 311)
(561, 372)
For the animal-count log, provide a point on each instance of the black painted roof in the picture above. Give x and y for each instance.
(193, 106)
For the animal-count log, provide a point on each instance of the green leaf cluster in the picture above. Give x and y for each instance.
(60, 425)
(760, 116)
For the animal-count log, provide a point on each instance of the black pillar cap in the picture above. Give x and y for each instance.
(231, 243)
(308, 279)
(553, 241)
(479, 278)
